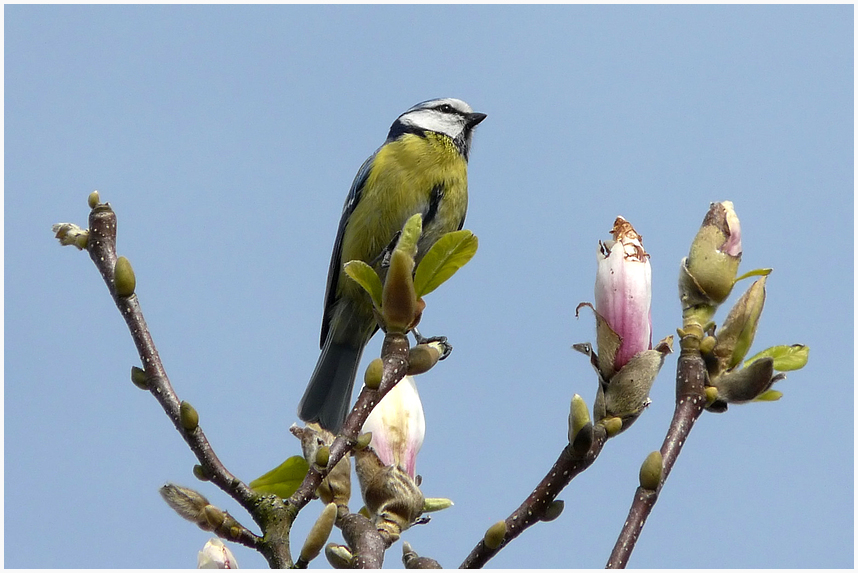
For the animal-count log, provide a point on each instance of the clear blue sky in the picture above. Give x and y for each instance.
(226, 139)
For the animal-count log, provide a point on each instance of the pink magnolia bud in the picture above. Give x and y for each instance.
(398, 426)
(624, 291)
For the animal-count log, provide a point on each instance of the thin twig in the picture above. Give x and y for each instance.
(690, 401)
(568, 465)
(274, 515)
(102, 250)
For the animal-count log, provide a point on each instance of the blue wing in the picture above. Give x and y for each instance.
(336, 265)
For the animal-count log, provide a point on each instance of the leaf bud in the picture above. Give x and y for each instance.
(553, 511)
(139, 378)
(323, 454)
(431, 504)
(372, 376)
(339, 556)
(363, 441)
(200, 473)
(494, 535)
(421, 358)
(124, 278)
(398, 297)
(736, 335)
(579, 417)
(188, 416)
(707, 344)
(398, 300)
(613, 426)
(319, 533)
(711, 394)
(93, 199)
(650, 474)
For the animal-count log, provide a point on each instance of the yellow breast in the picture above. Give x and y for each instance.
(400, 184)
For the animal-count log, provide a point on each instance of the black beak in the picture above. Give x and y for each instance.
(475, 118)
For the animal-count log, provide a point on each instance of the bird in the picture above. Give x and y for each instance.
(422, 167)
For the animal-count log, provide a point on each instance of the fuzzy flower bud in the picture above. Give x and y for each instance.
(391, 496)
(188, 503)
(319, 533)
(336, 487)
(627, 394)
(623, 297)
(398, 426)
(216, 555)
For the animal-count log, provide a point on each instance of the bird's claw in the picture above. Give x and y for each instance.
(446, 347)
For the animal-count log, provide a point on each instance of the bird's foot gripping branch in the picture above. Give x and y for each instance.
(384, 429)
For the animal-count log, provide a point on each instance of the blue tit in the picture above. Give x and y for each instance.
(422, 167)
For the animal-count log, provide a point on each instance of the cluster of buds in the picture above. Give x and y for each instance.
(625, 360)
(707, 277)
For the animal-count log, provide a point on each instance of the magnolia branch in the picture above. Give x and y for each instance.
(690, 401)
(274, 515)
(101, 246)
(568, 465)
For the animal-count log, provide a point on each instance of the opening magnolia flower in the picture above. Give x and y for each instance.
(398, 426)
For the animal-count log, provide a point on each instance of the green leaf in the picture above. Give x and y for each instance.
(769, 396)
(450, 253)
(283, 480)
(786, 357)
(411, 231)
(754, 273)
(365, 276)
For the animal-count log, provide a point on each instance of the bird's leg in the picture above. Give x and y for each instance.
(384, 256)
(442, 340)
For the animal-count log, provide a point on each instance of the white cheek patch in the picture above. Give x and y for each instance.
(432, 120)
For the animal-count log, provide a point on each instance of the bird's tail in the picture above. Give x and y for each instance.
(329, 393)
